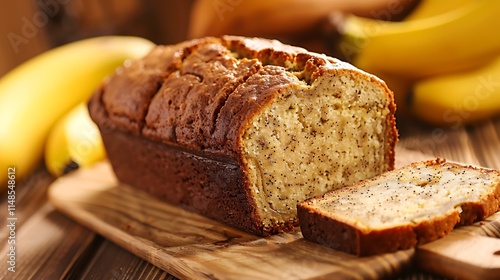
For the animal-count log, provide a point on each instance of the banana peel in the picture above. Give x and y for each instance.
(73, 142)
(459, 98)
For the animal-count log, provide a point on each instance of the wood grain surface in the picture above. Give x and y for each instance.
(191, 246)
(194, 247)
(471, 252)
(101, 258)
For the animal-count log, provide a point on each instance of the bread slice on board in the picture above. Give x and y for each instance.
(402, 208)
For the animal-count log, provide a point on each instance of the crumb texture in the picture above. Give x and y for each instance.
(412, 196)
(417, 203)
(316, 138)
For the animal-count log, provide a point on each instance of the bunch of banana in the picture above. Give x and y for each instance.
(38, 93)
(446, 42)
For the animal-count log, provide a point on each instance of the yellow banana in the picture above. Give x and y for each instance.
(73, 142)
(430, 8)
(460, 39)
(36, 94)
(459, 98)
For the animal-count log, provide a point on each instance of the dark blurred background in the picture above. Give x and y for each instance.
(29, 27)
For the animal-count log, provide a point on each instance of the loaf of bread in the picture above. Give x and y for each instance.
(241, 129)
(402, 208)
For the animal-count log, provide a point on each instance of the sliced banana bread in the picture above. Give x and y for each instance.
(240, 129)
(402, 208)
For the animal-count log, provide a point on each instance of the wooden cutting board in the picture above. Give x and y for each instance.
(471, 252)
(190, 246)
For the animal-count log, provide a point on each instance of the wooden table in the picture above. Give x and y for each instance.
(52, 246)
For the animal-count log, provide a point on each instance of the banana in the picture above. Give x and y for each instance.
(37, 93)
(73, 142)
(459, 98)
(460, 39)
(430, 8)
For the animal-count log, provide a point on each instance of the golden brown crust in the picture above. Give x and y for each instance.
(332, 230)
(198, 97)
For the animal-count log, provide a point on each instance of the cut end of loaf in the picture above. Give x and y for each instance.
(400, 209)
(315, 138)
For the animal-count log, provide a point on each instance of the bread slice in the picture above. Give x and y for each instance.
(240, 129)
(402, 208)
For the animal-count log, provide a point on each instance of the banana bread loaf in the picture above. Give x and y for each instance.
(402, 208)
(241, 129)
